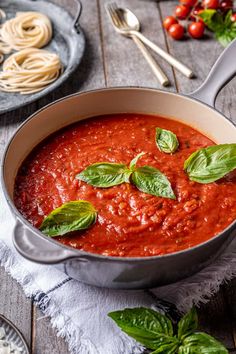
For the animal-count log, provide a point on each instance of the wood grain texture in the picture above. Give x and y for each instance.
(124, 64)
(113, 60)
(14, 304)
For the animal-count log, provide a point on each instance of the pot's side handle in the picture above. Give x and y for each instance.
(221, 73)
(38, 250)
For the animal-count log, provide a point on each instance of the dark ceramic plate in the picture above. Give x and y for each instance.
(68, 42)
(13, 335)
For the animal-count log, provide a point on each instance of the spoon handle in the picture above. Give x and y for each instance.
(171, 60)
(161, 76)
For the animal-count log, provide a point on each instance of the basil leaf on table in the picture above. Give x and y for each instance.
(221, 25)
(150, 180)
(147, 326)
(71, 216)
(155, 331)
(201, 343)
(104, 174)
(212, 163)
(188, 324)
(166, 141)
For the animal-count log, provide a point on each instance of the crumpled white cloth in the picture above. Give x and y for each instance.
(79, 311)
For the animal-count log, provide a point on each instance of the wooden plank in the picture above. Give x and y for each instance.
(200, 55)
(124, 65)
(230, 295)
(14, 304)
(45, 337)
(214, 319)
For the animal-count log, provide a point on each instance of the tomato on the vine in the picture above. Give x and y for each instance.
(182, 11)
(196, 29)
(169, 21)
(189, 3)
(226, 5)
(210, 4)
(233, 17)
(176, 31)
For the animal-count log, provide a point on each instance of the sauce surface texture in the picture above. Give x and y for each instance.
(130, 223)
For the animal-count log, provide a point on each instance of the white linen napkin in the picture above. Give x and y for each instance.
(79, 311)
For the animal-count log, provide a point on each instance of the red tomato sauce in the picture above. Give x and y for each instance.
(130, 223)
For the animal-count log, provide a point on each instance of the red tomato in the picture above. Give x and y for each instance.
(168, 21)
(233, 17)
(189, 3)
(176, 31)
(226, 5)
(182, 11)
(196, 29)
(210, 4)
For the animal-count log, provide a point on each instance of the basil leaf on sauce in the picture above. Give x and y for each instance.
(166, 141)
(201, 343)
(212, 163)
(188, 324)
(71, 216)
(133, 162)
(147, 326)
(104, 174)
(150, 180)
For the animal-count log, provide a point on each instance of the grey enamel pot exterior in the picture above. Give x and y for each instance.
(114, 272)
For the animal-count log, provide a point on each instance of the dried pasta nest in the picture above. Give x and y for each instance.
(27, 29)
(29, 70)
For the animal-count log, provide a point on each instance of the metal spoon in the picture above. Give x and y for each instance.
(130, 27)
(118, 21)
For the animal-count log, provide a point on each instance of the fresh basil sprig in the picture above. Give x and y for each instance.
(220, 24)
(147, 179)
(105, 174)
(71, 216)
(212, 163)
(150, 180)
(156, 331)
(166, 141)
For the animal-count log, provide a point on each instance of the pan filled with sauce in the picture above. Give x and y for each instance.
(126, 187)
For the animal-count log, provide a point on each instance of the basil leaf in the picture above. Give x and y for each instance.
(103, 174)
(188, 324)
(71, 216)
(150, 180)
(212, 163)
(147, 326)
(167, 348)
(212, 19)
(201, 343)
(166, 141)
(135, 160)
(221, 25)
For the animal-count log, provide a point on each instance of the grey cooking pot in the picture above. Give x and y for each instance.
(114, 272)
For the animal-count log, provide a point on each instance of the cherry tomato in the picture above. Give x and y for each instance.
(182, 11)
(233, 17)
(189, 3)
(168, 21)
(210, 4)
(196, 29)
(176, 31)
(226, 5)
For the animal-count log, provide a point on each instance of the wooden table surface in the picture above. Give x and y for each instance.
(112, 60)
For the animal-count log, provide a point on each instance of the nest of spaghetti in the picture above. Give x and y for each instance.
(30, 69)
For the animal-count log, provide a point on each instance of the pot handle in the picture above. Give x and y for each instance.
(221, 73)
(38, 250)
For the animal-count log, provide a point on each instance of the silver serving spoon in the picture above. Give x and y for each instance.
(120, 22)
(126, 23)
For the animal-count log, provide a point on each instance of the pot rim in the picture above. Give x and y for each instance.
(96, 256)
